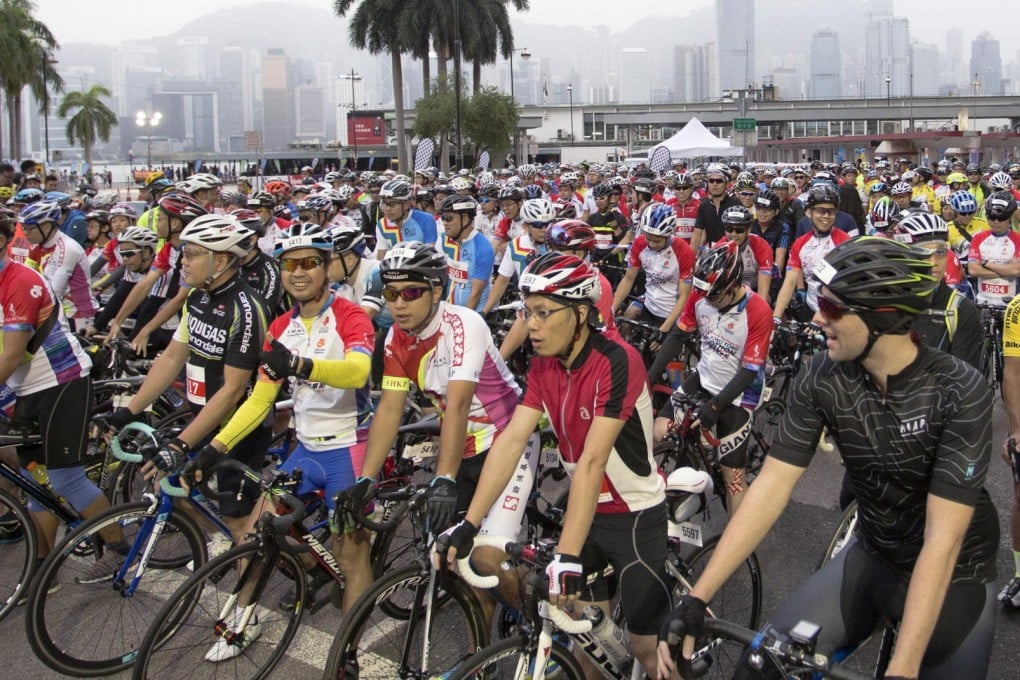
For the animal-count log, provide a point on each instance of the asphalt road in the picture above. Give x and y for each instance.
(787, 556)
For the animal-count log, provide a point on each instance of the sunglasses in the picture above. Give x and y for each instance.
(192, 254)
(537, 225)
(448, 217)
(542, 315)
(832, 310)
(405, 294)
(684, 187)
(716, 181)
(825, 212)
(128, 253)
(747, 194)
(731, 229)
(292, 264)
(937, 251)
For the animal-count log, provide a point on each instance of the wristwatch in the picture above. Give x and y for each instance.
(984, 263)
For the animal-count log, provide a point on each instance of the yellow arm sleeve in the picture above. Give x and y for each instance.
(350, 372)
(250, 414)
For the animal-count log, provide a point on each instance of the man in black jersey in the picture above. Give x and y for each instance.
(258, 268)
(913, 426)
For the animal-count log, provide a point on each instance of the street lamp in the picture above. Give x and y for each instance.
(456, 77)
(888, 80)
(525, 55)
(149, 120)
(48, 62)
(570, 94)
(352, 127)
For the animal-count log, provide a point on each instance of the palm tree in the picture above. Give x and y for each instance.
(374, 26)
(491, 30)
(93, 121)
(26, 49)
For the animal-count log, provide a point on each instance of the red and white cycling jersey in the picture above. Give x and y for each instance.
(685, 216)
(65, 265)
(508, 229)
(456, 345)
(807, 252)
(954, 270)
(731, 339)
(327, 417)
(1003, 249)
(756, 256)
(607, 380)
(664, 270)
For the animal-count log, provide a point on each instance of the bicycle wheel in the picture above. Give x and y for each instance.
(739, 600)
(93, 629)
(184, 631)
(387, 647)
(18, 548)
(764, 426)
(842, 535)
(511, 659)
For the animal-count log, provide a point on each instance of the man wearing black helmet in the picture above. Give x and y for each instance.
(927, 536)
(707, 225)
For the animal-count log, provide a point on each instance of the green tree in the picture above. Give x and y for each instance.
(26, 60)
(435, 115)
(374, 26)
(490, 120)
(92, 121)
(489, 32)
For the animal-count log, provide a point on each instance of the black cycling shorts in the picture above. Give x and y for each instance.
(634, 544)
(252, 452)
(63, 416)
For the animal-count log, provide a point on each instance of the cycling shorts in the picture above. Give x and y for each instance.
(505, 517)
(634, 545)
(733, 428)
(62, 412)
(332, 471)
(252, 452)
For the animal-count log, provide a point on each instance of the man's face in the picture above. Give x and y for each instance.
(394, 210)
(823, 216)
(716, 184)
(902, 200)
(34, 232)
(974, 177)
(33, 183)
(510, 207)
(134, 257)
(6, 177)
(800, 179)
(51, 185)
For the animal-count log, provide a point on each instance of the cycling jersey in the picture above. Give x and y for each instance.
(1003, 249)
(960, 236)
(518, 255)
(686, 216)
(487, 224)
(508, 229)
(417, 226)
(778, 235)
(607, 379)
(366, 290)
(222, 327)
(928, 433)
(64, 264)
(756, 256)
(709, 218)
(1011, 329)
(327, 417)
(807, 252)
(468, 261)
(955, 273)
(609, 227)
(731, 339)
(263, 277)
(26, 304)
(952, 324)
(168, 263)
(456, 345)
(664, 270)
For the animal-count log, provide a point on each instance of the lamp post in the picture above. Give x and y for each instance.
(48, 62)
(525, 55)
(570, 94)
(354, 77)
(149, 120)
(888, 81)
(456, 78)
(976, 85)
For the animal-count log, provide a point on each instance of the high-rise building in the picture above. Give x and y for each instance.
(690, 75)
(277, 109)
(887, 56)
(986, 64)
(308, 113)
(955, 72)
(635, 76)
(133, 58)
(924, 70)
(734, 22)
(826, 65)
(787, 83)
(193, 58)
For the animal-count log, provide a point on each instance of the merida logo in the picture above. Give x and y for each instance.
(914, 426)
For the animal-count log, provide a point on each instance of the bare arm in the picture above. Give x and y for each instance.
(219, 406)
(13, 352)
(790, 283)
(383, 430)
(477, 288)
(764, 284)
(623, 288)
(169, 309)
(459, 394)
(164, 370)
(135, 298)
(674, 314)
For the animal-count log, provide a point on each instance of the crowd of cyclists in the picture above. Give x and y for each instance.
(349, 292)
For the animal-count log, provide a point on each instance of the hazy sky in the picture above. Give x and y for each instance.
(111, 21)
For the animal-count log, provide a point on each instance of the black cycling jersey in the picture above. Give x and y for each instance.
(931, 432)
(959, 335)
(263, 276)
(611, 226)
(710, 219)
(222, 327)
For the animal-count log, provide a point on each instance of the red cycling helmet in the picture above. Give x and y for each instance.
(570, 235)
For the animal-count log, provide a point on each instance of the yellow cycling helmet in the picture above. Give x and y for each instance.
(152, 177)
(955, 177)
(6, 193)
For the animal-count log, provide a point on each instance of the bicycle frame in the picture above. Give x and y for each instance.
(41, 495)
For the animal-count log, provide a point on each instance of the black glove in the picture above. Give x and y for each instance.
(460, 537)
(708, 414)
(565, 574)
(279, 363)
(441, 499)
(206, 457)
(351, 502)
(171, 456)
(120, 417)
(687, 619)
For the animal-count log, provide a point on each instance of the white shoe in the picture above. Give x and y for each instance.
(214, 547)
(224, 651)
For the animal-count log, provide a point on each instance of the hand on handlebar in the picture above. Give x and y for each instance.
(460, 537)
(687, 619)
(566, 578)
(351, 502)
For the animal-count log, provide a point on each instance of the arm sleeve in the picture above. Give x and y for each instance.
(250, 414)
(348, 373)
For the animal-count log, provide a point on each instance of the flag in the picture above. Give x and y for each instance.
(198, 164)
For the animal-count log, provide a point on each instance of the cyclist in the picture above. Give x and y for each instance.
(777, 233)
(754, 251)
(686, 205)
(594, 393)
(1010, 593)
(666, 262)
(902, 193)
(400, 222)
(537, 214)
(965, 224)
(976, 184)
(510, 199)
(994, 255)
(258, 269)
(735, 328)
(323, 348)
(707, 225)
(927, 532)
(262, 204)
(468, 252)
(489, 216)
(136, 250)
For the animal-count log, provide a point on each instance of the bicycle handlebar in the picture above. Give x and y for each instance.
(126, 456)
(405, 497)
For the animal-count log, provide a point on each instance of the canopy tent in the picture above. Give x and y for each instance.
(695, 141)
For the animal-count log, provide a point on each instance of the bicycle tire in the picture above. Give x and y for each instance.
(511, 659)
(183, 631)
(17, 554)
(739, 600)
(841, 536)
(764, 425)
(90, 630)
(368, 634)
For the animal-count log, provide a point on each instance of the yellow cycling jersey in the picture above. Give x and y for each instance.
(956, 235)
(1011, 329)
(927, 192)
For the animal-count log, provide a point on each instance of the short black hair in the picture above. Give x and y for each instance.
(28, 166)
(6, 167)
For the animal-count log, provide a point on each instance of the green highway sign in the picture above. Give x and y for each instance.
(745, 124)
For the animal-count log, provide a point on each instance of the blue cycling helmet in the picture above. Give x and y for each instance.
(26, 196)
(963, 202)
(58, 197)
(658, 219)
(532, 191)
(39, 213)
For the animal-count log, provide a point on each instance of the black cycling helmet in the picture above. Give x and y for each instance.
(457, 203)
(871, 273)
(1000, 206)
(262, 199)
(737, 215)
(511, 194)
(414, 261)
(396, 190)
(822, 193)
(644, 186)
(718, 270)
(602, 189)
(490, 190)
(767, 200)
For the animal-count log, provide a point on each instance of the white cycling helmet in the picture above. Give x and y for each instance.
(140, 236)
(538, 210)
(202, 180)
(221, 233)
(460, 184)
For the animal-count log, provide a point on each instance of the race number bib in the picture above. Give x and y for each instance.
(196, 385)
(458, 271)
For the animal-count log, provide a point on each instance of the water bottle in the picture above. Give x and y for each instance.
(609, 636)
(40, 475)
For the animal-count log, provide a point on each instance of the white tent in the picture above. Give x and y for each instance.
(694, 141)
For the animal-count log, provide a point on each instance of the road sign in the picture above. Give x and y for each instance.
(253, 140)
(745, 124)
(744, 137)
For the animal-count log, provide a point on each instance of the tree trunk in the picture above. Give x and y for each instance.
(16, 146)
(426, 75)
(11, 143)
(398, 105)
(476, 76)
(444, 151)
(1, 128)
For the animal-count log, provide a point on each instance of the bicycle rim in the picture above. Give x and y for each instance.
(17, 552)
(842, 535)
(512, 659)
(184, 630)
